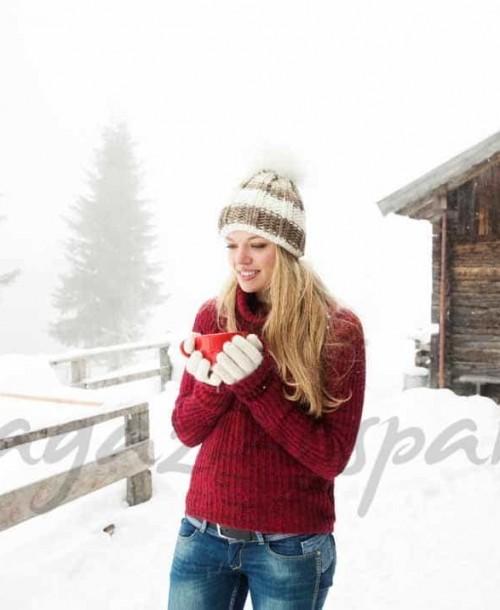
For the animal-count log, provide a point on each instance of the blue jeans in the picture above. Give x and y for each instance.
(210, 572)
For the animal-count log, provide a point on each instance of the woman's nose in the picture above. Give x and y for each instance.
(243, 256)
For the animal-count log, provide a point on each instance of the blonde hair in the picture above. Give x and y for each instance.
(297, 331)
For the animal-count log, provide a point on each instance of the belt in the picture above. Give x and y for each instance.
(234, 534)
(231, 533)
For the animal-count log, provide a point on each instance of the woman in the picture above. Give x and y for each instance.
(277, 418)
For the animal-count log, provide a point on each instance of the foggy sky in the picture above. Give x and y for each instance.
(366, 95)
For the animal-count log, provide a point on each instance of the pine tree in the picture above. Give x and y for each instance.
(109, 289)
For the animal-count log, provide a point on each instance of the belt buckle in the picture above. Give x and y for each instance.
(219, 531)
(249, 536)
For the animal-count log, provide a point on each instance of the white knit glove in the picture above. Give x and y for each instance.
(198, 366)
(188, 344)
(240, 358)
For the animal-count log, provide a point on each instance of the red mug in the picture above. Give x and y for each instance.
(211, 345)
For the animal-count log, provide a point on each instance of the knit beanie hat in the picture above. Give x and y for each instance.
(268, 204)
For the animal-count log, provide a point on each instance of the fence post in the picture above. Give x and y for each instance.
(78, 371)
(165, 366)
(139, 486)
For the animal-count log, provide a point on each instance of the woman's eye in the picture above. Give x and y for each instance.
(258, 246)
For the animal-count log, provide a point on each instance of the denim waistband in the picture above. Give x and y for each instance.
(204, 526)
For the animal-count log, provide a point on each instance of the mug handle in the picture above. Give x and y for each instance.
(183, 351)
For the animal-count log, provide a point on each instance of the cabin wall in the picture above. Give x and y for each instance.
(475, 309)
(472, 287)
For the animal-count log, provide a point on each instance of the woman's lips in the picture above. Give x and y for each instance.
(247, 275)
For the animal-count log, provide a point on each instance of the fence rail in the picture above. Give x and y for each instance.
(131, 462)
(79, 363)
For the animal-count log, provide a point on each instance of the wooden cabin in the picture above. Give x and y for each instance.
(461, 198)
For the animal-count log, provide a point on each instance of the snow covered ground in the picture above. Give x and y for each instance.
(417, 522)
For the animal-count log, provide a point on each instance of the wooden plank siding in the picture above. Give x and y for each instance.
(472, 286)
(474, 275)
(475, 307)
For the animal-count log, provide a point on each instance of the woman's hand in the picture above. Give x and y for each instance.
(187, 346)
(240, 358)
(198, 366)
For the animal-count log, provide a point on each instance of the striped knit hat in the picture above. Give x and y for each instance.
(269, 205)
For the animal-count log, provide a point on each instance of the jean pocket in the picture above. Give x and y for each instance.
(187, 529)
(290, 547)
(325, 543)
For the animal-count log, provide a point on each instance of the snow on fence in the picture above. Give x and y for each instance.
(79, 362)
(132, 462)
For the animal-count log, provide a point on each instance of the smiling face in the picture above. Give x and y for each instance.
(252, 259)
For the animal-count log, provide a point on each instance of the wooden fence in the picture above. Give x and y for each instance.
(79, 362)
(132, 462)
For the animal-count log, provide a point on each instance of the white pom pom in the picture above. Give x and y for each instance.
(283, 160)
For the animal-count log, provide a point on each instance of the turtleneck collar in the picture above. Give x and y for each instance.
(243, 300)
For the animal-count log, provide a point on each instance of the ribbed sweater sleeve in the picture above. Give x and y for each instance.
(199, 406)
(321, 445)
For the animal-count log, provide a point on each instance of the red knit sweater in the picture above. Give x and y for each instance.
(264, 464)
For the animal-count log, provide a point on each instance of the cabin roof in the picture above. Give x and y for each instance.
(414, 196)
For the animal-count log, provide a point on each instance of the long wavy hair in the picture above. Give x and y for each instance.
(298, 331)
